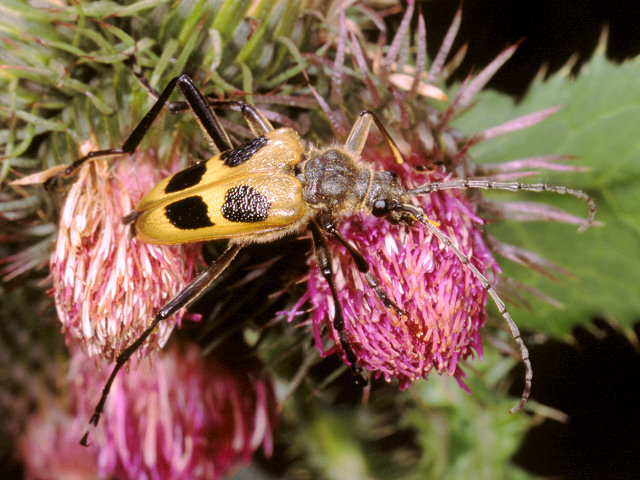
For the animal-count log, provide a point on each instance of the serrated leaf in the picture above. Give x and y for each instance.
(598, 123)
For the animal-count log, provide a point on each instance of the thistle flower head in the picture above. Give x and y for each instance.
(108, 285)
(194, 417)
(184, 416)
(442, 301)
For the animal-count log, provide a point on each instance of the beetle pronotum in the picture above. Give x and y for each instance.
(275, 185)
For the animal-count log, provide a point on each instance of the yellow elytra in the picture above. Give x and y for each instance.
(249, 194)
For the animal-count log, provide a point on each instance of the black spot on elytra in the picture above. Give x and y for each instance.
(244, 152)
(186, 178)
(189, 213)
(245, 204)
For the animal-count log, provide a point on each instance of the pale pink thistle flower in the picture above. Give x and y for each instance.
(182, 416)
(107, 284)
(442, 301)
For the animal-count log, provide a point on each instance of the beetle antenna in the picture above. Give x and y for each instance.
(465, 183)
(420, 216)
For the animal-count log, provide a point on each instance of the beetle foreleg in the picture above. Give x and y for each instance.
(363, 266)
(360, 131)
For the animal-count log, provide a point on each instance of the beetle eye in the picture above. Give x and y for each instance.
(380, 208)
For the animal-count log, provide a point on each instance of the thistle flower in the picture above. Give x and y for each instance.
(108, 285)
(442, 301)
(184, 416)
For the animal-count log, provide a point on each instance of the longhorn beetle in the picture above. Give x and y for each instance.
(275, 185)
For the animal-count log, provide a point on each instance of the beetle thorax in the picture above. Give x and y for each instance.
(337, 183)
(333, 181)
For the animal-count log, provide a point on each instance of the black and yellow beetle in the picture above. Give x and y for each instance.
(274, 185)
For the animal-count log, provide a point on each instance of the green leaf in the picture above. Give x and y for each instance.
(467, 435)
(598, 123)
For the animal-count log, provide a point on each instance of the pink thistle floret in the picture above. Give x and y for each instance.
(443, 303)
(182, 416)
(107, 284)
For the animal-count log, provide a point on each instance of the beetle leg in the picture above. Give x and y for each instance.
(132, 141)
(188, 294)
(362, 264)
(360, 131)
(257, 122)
(324, 263)
(203, 112)
(195, 101)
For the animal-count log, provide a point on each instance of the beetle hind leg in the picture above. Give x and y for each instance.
(188, 294)
(130, 218)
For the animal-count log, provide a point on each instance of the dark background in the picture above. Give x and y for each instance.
(552, 33)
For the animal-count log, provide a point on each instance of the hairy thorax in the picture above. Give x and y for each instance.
(333, 181)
